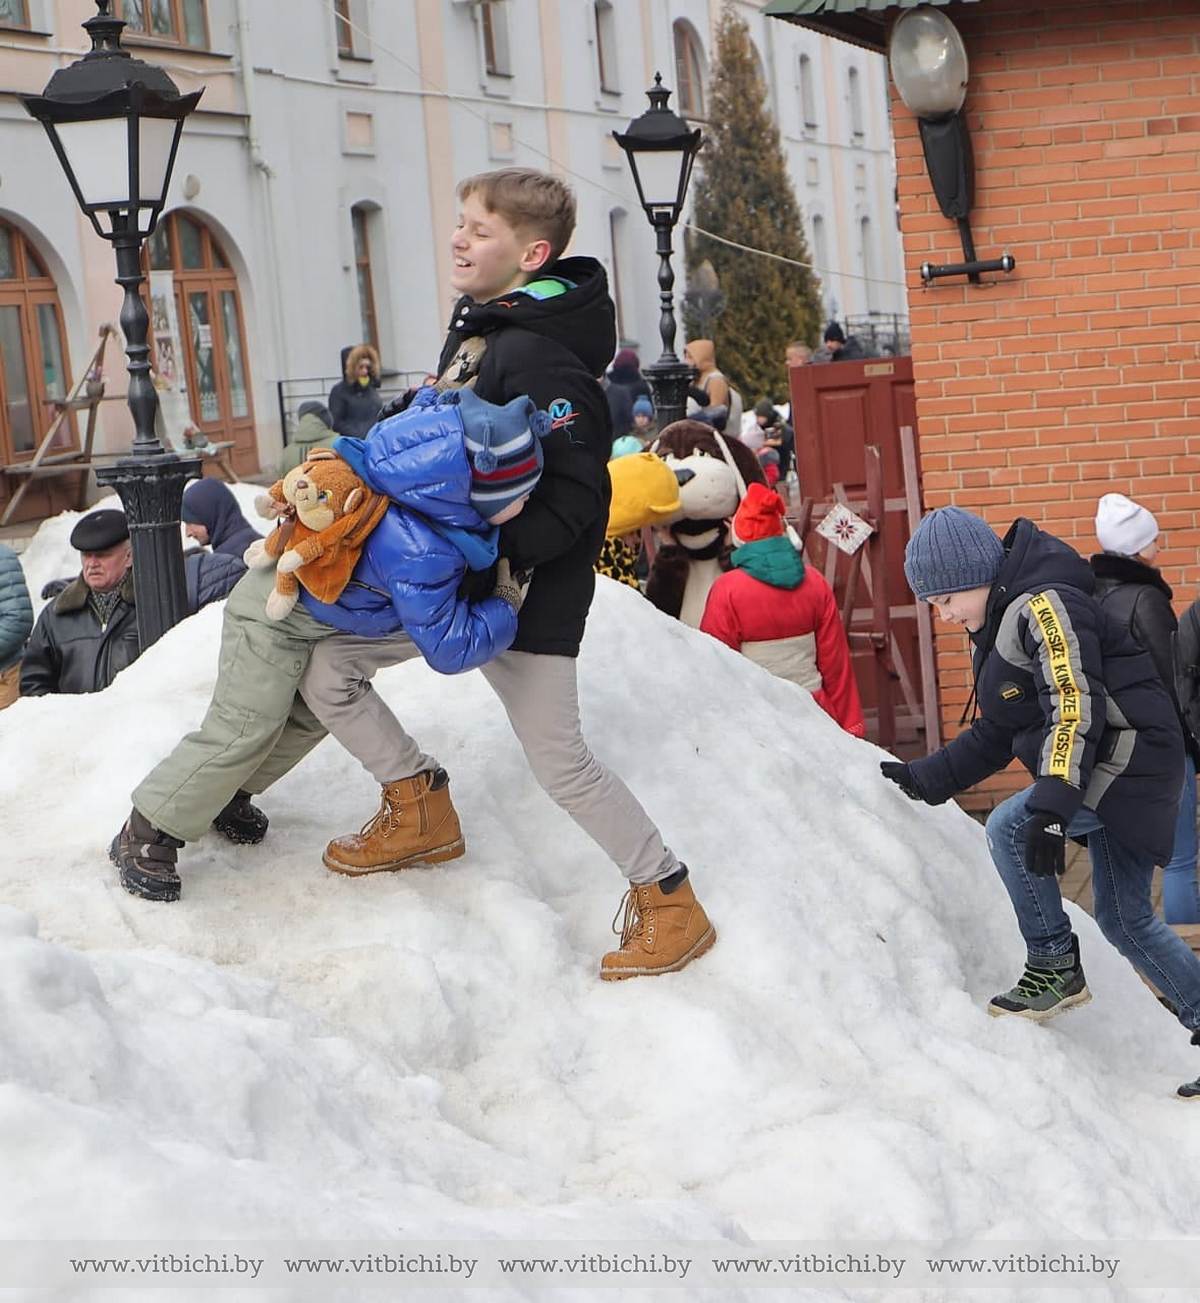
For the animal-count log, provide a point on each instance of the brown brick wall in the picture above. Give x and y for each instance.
(1079, 373)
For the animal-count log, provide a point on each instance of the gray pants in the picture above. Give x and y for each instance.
(337, 689)
(541, 698)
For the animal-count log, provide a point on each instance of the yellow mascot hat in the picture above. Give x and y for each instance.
(644, 492)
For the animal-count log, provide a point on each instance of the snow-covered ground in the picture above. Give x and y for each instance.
(285, 1053)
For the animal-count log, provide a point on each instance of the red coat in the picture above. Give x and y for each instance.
(795, 632)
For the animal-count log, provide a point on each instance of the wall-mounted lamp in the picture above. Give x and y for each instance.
(929, 66)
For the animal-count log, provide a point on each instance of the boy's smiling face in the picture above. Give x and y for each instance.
(489, 255)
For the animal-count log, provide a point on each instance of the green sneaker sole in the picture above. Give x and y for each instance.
(1041, 1015)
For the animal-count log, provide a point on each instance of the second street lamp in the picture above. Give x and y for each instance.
(115, 124)
(661, 149)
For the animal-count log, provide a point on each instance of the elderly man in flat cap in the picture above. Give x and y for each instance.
(88, 634)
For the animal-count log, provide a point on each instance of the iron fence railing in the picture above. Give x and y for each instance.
(292, 393)
(881, 332)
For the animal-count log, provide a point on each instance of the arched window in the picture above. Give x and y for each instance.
(820, 247)
(856, 106)
(33, 351)
(689, 70)
(618, 238)
(868, 262)
(808, 93)
(211, 333)
(606, 44)
(360, 215)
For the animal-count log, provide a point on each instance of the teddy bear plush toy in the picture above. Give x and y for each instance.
(325, 513)
(712, 470)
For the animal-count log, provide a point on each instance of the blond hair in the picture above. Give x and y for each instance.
(531, 202)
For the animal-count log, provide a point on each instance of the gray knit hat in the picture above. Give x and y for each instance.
(950, 551)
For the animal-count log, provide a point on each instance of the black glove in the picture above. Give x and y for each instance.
(903, 777)
(396, 405)
(1045, 845)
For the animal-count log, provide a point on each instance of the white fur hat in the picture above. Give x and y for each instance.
(1123, 526)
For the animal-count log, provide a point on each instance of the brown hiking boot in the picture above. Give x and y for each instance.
(663, 930)
(415, 824)
(146, 858)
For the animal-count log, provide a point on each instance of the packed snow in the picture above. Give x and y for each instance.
(286, 1053)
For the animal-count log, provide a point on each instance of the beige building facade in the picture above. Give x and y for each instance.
(313, 195)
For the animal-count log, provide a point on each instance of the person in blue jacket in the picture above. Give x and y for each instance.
(1066, 690)
(453, 468)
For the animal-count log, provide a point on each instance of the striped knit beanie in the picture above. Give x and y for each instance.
(504, 448)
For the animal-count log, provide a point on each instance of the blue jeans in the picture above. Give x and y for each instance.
(1121, 884)
(1181, 895)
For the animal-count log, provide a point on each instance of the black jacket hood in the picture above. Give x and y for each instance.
(582, 320)
(1114, 567)
(1034, 560)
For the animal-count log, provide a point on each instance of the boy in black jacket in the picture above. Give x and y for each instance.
(529, 322)
(1066, 691)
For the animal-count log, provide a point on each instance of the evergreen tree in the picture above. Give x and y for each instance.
(743, 192)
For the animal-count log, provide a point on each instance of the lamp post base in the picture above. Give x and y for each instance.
(669, 380)
(151, 491)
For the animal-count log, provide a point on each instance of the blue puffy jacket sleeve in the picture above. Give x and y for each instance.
(452, 634)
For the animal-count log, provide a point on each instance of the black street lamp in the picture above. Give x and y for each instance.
(115, 123)
(661, 149)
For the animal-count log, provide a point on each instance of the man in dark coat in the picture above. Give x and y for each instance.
(838, 347)
(88, 634)
(1067, 691)
(212, 517)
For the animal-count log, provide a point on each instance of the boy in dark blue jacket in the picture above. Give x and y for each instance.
(527, 322)
(455, 470)
(1068, 692)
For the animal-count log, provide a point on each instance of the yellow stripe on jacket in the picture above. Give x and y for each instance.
(1069, 715)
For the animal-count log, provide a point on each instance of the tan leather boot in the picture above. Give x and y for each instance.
(661, 933)
(415, 824)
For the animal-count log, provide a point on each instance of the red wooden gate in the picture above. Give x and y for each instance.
(841, 412)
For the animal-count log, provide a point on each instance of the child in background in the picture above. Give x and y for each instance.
(644, 426)
(780, 613)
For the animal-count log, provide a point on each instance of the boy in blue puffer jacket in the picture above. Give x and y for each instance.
(456, 467)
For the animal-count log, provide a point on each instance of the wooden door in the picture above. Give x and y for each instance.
(837, 409)
(212, 334)
(34, 373)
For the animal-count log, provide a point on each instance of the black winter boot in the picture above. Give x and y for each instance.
(146, 858)
(242, 822)
(1191, 1089)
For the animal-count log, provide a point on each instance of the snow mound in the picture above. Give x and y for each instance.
(288, 1052)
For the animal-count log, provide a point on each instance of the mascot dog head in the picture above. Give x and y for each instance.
(720, 468)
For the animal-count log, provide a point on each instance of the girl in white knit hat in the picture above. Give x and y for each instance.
(1133, 592)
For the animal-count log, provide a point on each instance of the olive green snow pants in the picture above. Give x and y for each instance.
(257, 726)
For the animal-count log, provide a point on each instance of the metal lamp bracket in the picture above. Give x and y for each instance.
(951, 164)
